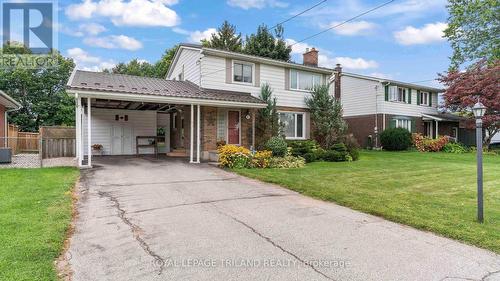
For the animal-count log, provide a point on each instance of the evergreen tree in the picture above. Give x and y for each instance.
(328, 126)
(225, 39)
(265, 44)
(267, 123)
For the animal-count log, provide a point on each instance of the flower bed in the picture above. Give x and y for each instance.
(425, 144)
(233, 156)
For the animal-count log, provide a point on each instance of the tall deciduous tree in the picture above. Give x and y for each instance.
(267, 123)
(480, 82)
(40, 91)
(144, 68)
(473, 30)
(225, 39)
(328, 126)
(265, 44)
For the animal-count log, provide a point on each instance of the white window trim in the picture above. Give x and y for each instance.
(295, 119)
(253, 73)
(227, 126)
(298, 87)
(407, 93)
(429, 97)
(401, 122)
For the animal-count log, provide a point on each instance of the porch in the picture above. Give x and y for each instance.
(446, 124)
(129, 115)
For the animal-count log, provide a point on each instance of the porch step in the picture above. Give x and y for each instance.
(178, 153)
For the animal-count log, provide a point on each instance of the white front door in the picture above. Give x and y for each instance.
(121, 140)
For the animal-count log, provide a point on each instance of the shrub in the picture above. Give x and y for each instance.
(278, 146)
(302, 147)
(310, 157)
(287, 162)
(261, 159)
(354, 154)
(454, 147)
(233, 156)
(352, 146)
(425, 144)
(336, 156)
(395, 139)
(339, 147)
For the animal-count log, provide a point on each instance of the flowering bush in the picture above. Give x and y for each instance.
(425, 144)
(261, 159)
(233, 156)
(287, 162)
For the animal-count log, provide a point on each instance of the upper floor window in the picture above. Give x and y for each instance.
(293, 124)
(425, 98)
(243, 72)
(300, 80)
(397, 94)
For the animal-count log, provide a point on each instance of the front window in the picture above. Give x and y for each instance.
(403, 123)
(397, 94)
(293, 124)
(300, 80)
(425, 98)
(242, 72)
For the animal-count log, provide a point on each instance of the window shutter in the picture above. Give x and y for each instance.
(430, 99)
(404, 96)
(386, 92)
(409, 95)
(413, 125)
(392, 124)
(287, 78)
(418, 97)
(229, 71)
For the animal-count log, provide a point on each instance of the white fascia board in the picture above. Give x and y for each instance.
(8, 101)
(431, 117)
(163, 99)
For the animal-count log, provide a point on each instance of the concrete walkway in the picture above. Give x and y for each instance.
(143, 219)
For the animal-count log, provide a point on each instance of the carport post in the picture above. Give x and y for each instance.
(78, 119)
(89, 132)
(191, 158)
(198, 133)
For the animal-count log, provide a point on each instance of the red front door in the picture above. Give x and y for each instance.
(233, 127)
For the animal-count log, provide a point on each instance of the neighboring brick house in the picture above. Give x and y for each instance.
(372, 105)
(6, 104)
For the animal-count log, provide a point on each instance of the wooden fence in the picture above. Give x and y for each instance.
(58, 141)
(28, 142)
(60, 147)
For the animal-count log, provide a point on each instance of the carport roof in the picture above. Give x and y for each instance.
(106, 83)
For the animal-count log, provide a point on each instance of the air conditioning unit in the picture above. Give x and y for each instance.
(5, 155)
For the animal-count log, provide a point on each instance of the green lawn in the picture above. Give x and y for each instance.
(430, 191)
(35, 213)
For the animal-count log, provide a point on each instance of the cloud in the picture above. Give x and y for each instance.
(114, 42)
(127, 13)
(85, 61)
(197, 36)
(256, 4)
(429, 33)
(325, 59)
(352, 28)
(92, 28)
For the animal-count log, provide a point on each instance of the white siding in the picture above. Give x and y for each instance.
(358, 98)
(142, 123)
(214, 77)
(406, 109)
(359, 95)
(187, 63)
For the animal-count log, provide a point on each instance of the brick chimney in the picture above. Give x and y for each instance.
(310, 57)
(337, 84)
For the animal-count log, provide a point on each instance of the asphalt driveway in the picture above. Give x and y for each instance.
(144, 219)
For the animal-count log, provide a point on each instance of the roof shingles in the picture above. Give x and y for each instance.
(120, 83)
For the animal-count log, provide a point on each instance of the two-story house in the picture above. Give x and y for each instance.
(372, 105)
(211, 96)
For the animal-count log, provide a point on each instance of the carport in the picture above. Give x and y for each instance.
(116, 111)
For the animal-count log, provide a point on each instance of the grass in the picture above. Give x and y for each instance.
(35, 214)
(429, 191)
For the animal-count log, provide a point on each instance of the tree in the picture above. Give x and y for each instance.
(473, 30)
(144, 68)
(479, 82)
(265, 44)
(328, 126)
(41, 92)
(225, 39)
(267, 123)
